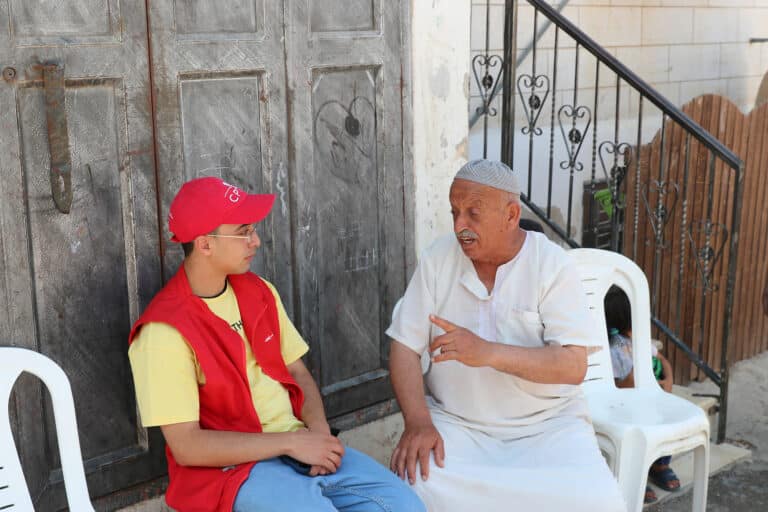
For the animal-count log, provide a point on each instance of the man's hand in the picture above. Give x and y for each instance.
(459, 344)
(417, 441)
(322, 451)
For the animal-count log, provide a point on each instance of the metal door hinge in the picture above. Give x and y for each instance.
(58, 136)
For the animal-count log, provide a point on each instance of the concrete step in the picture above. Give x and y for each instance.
(707, 403)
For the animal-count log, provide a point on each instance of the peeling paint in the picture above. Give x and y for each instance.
(461, 149)
(441, 38)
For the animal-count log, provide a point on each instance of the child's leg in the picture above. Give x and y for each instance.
(663, 475)
(363, 485)
(273, 485)
(360, 485)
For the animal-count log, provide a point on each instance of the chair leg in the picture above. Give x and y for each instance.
(700, 477)
(633, 476)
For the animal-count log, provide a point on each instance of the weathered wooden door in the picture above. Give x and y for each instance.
(344, 76)
(300, 98)
(219, 82)
(75, 96)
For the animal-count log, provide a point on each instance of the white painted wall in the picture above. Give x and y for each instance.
(440, 52)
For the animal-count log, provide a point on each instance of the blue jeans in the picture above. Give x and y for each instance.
(360, 485)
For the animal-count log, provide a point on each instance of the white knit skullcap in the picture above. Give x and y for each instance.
(491, 173)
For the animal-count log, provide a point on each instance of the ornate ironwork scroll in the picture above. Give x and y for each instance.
(706, 256)
(622, 158)
(489, 83)
(574, 139)
(660, 215)
(532, 102)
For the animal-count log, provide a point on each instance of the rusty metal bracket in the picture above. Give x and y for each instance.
(58, 136)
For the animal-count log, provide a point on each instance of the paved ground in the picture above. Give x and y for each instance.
(739, 489)
(743, 487)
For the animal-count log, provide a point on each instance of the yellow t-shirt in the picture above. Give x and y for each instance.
(166, 372)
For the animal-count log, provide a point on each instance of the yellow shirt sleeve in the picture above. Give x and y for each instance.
(292, 345)
(166, 373)
(166, 376)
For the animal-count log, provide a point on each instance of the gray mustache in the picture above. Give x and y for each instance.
(466, 234)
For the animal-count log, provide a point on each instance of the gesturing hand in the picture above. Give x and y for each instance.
(459, 344)
(414, 446)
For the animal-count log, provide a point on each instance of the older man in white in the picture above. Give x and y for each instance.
(501, 316)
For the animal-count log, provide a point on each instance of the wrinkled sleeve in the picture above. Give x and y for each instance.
(564, 313)
(165, 375)
(410, 319)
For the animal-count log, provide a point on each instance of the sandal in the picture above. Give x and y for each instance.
(650, 496)
(663, 477)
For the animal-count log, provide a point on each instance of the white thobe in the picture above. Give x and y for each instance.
(511, 444)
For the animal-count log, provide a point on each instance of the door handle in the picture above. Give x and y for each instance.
(58, 136)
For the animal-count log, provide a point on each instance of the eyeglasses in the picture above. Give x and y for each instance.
(250, 235)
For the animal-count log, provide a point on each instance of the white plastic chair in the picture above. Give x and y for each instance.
(14, 494)
(636, 426)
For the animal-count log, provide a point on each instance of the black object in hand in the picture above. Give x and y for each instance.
(301, 467)
(298, 466)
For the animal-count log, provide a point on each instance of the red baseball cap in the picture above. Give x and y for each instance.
(203, 204)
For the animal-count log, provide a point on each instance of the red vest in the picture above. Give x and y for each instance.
(225, 398)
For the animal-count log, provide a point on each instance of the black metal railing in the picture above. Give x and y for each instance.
(487, 69)
(653, 184)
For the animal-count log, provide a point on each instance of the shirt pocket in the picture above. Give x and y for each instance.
(518, 326)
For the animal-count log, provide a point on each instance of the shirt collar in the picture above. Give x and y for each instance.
(472, 283)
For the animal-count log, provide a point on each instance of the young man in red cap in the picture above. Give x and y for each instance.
(217, 365)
